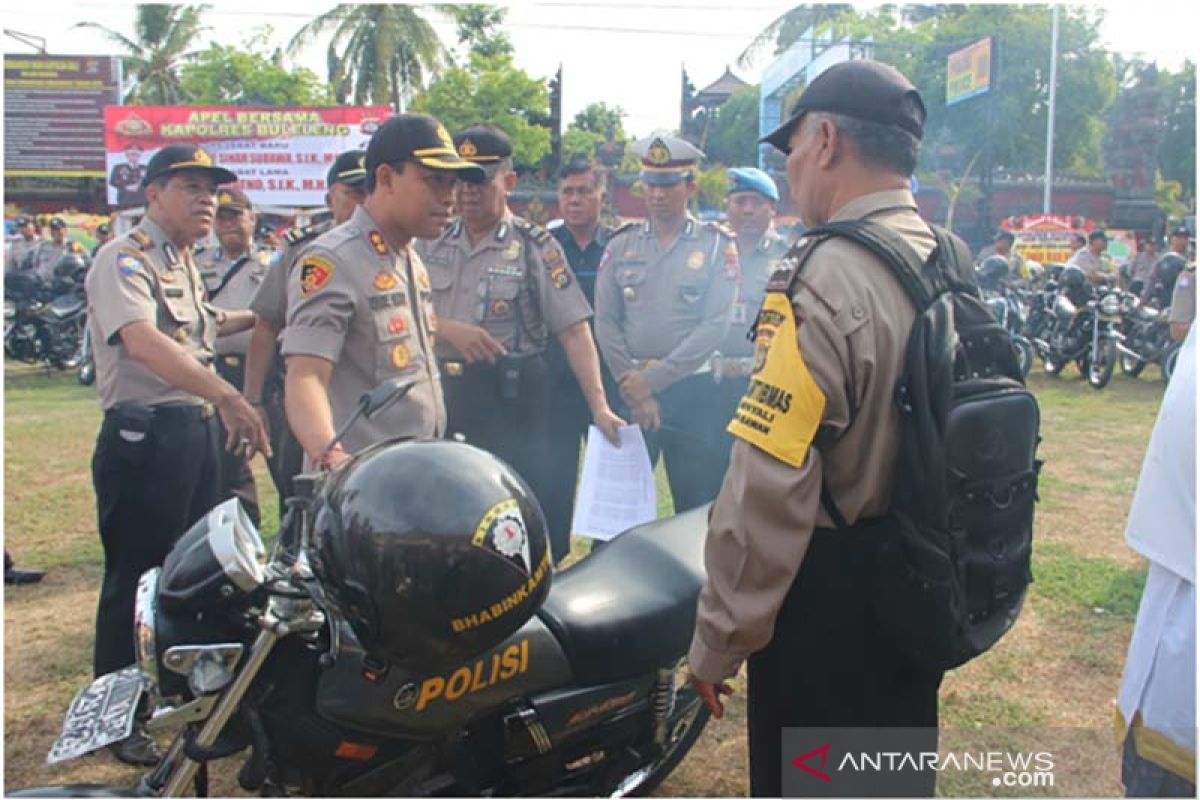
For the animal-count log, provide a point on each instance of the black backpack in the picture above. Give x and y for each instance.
(953, 560)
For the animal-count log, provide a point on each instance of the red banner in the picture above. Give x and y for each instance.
(280, 155)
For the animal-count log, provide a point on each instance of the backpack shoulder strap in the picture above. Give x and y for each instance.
(892, 249)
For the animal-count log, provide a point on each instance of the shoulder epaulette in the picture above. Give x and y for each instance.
(141, 239)
(721, 228)
(617, 231)
(785, 273)
(537, 233)
(300, 234)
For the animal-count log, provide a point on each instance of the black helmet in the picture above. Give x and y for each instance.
(993, 272)
(70, 265)
(433, 551)
(1072, 277)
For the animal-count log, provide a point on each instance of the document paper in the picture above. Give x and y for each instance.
(616, 490)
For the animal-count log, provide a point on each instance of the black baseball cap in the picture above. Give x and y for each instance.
(1181, 232)
(348, 168)
(233, 198)
(57, 223)
(863, 89)
(422, 139)
(103, 228)
(1097, 235)
(178, 157)
(1009, 235)
(22, 221)
(483, 144)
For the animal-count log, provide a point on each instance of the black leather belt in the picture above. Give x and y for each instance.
(177, 412)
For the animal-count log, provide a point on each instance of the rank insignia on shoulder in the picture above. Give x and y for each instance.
(721, 228)
(142, 239)
(295, 236)
(553, 257)
(378, 243)
(315, 272)
(129, 263)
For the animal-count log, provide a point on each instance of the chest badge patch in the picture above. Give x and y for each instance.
(400, 357)
(512, 251)
(561, 278)
(385, 280)
(315, 272)
(397, 326)
(695, 260)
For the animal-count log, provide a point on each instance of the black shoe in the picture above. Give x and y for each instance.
(17, 575)
(136, 749)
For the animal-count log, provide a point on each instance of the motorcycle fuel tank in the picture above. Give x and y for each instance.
(396, 703)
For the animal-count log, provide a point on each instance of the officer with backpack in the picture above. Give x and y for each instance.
(800, 577)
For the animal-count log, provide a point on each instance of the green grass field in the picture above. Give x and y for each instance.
(1051, 682)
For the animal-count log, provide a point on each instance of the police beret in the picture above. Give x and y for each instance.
(863, 89)
(349, 168)
(667, 160)
(751, 179)
(233, 198)
(177, 157)
(419, 138)
(483, 144)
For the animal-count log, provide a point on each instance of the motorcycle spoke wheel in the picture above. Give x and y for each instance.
(1100, 369)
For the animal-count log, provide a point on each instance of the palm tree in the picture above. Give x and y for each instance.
(378, 53)
(163, 36)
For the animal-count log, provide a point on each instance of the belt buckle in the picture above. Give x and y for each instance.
(232, 361)
(206, 411)
(454, 368)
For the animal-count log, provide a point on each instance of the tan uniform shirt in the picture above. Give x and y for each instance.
(270, 299)
(356, 302)
(47, 254)
(16, 250)
(670, 306)
(1092, 264)
(515, 284)
(1183, 299)
(758, 261)
(236, 295)
(853, 321)
(212, 263)
(141, 277)
(1141, 266)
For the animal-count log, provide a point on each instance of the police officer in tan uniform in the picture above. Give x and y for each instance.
(1099, 269)
(784, 590)
(264, 366)
(232, 273)
(502, 287)
(664, 298)
(155, 465)
(360, 310)
(17, 249)
(1183, 303)
(47, 253)
(750, 205)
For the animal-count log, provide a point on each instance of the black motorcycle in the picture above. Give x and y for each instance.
(1005, 302)
(280, 657)
(1144, 337)
(1081, 328)
(44, 322)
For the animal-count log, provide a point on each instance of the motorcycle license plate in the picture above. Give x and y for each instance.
(99, 715)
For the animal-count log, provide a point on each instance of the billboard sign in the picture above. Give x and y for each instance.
(280, 155)
(969, 71)
(54, 114)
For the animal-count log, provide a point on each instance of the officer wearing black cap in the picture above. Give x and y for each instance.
(360, 309)
(1161, 284)
(344, 183)
(155, 464)
(104, 235)
(664, 297)
(502, 288)
(18, 250)
(784, 589)
(49, 252)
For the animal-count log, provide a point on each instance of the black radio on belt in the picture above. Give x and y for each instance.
(509, 369)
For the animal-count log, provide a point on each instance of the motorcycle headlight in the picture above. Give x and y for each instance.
(10, 310)
(36, 307)
(145, 624)
(1110, 305)
(1064, 309)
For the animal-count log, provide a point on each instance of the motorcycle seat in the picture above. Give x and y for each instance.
(630, 607)
(66, 306)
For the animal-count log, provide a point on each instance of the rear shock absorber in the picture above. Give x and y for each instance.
(662, 702)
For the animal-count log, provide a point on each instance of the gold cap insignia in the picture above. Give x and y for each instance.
(201, 156)
(658, 154)
(468, 149)
(444, 137)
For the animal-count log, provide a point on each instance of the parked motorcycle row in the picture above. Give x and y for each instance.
(45, 322)
(1068, 320)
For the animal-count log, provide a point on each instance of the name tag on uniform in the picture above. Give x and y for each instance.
(505, 271)
(172, 291)
(382, 301)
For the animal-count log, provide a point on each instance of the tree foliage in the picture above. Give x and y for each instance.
(733, 134)
(379, 53)
(491, 89)
(1177, 152)
(477, 27)
(244, 75)
(162, 40)
(592, 126)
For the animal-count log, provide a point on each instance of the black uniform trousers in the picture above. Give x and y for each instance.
(830, 665)
(237, 480)
(155, 473)
(287, 459)
(690, 441)
(503, 408)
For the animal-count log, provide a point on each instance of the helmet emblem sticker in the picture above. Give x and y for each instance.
(503, 529)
